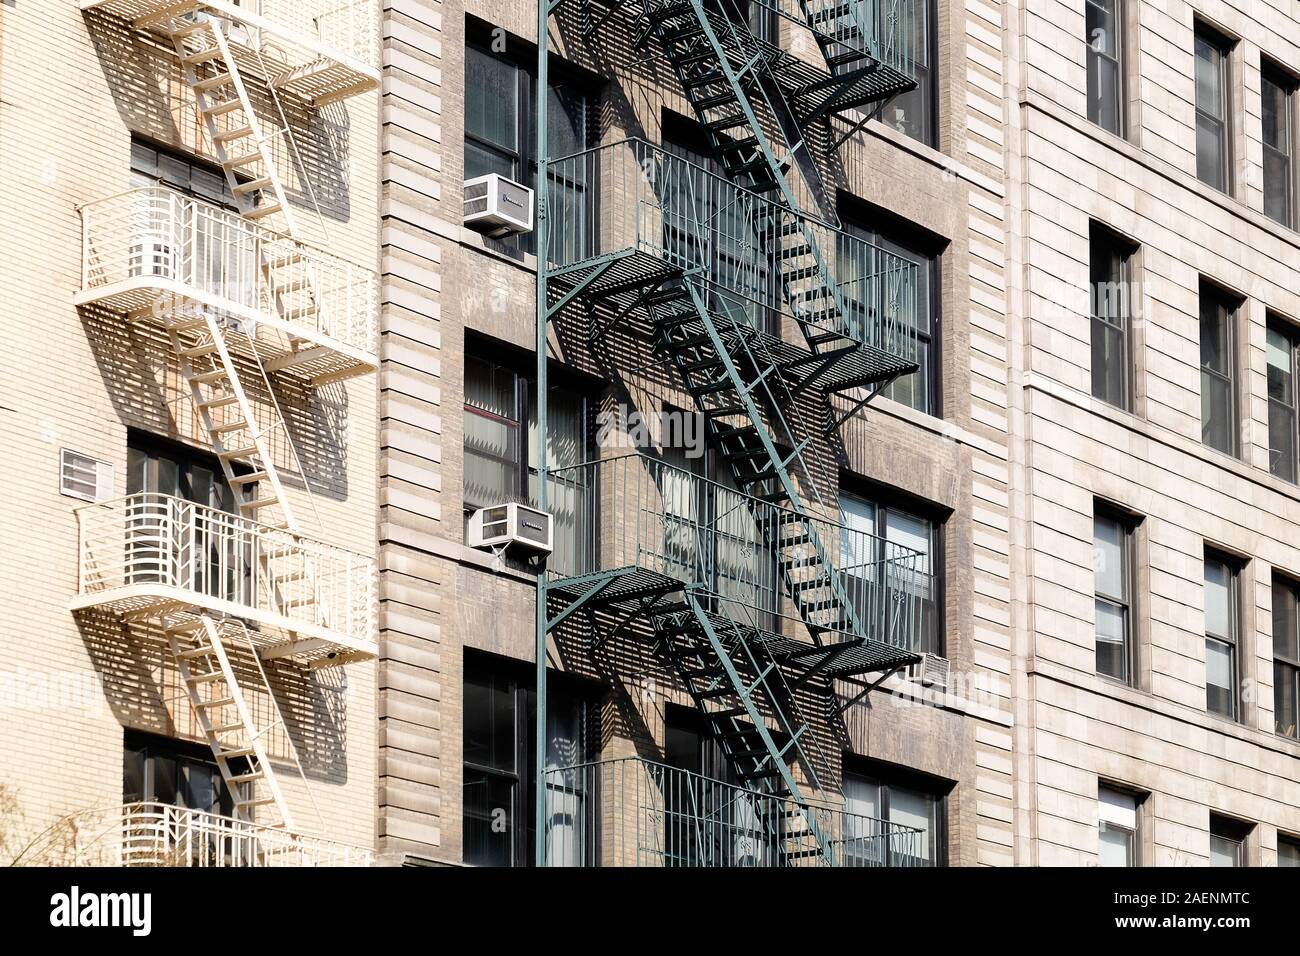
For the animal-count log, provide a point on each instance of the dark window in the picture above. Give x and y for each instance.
(1112, 318)
(870, 525)
(1222, 615)
(1288, 850)
(175, 772)
(1228, 841)
(1213, 128)
(913, 112)
(152, 164)
(1117, 827)
(1286, 656)
(1105, 65)
(900, 800)
(709, 818)
(1113, 576)
(502, 453)
(500, 135)
(920, 389)
(1282, 346)
(160, 550)
(1218, 370)
(1277, 94)
(499, 712)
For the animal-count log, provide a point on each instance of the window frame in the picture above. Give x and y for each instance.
(1289, 86)
(888, 776)
(523, 705)
(1228, 306)
(1121, 253)
(1233, 567)
(1204, 34)
(525, 387)
(935, 640)
(930, 89)
(1290, 590)
(1276, 324)
(1291, 840)
(1135, 832)
(1234, 831)
(1128, 526)
(1092, 54)
(924, 252)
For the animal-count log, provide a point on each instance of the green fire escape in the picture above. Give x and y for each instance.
(711, 265)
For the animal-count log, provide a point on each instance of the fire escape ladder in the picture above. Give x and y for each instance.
(238, 740)
(239, 141)
(728, 376)
(731, 680)
(242, 443)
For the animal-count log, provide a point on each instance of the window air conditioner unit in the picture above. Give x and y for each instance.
(512, 524)
(930, 671)
(498, 206)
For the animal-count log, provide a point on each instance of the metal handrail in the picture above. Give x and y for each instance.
(631, 811)
(157, 237)
(148, 833)
(635, 197)
(148, 541)
(637, 511)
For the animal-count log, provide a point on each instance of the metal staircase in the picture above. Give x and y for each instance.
(229, 418)
(737, 673)
(731, 677)
(238, 139)
(238, 740)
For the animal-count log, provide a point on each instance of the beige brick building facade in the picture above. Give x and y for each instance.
(93, 108)
(1100, 534)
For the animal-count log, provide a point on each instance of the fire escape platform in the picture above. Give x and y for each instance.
(320, 61)
(619, 586)
(843, 656)
(278, 635)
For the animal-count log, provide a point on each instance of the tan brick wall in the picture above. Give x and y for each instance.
(1078, 727)
(441, 280)
(73, 88)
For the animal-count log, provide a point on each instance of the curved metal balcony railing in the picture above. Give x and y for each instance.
(630, 811)
(638, 202)
(159, 834)
(153, 250)
(147, 551)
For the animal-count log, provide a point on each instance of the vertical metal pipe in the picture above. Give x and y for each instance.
(543, 18)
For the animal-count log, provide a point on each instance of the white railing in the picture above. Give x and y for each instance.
(148, 543)
(158, 834)
(154, 238)
(349, 27)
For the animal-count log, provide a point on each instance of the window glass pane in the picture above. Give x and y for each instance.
(1115, 845)
(911, 808)
(1224, 851)
(1112, 647)
(1103, 92)
(490, 723)
(1281, 383)
(1284, 699)
(1219, 579)
(1286, 638)
(1288, 852)
(480, 161)
(910, 532)
(1109, 358)
(1216, 412)
(133, 782)
(1210, 150)
(1209, 78)
(489, 808)
(1219, 678)
(1214, 334)
(491, 93)
(1109, 539)
(566, 114)
(912, 112)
